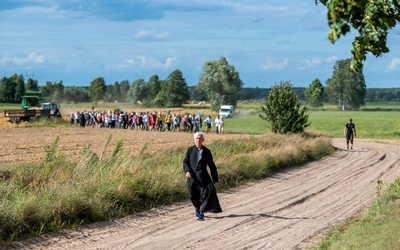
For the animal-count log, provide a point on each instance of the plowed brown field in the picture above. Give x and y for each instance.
(26, 144)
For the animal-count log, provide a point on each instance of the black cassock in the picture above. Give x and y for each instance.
(201, 187)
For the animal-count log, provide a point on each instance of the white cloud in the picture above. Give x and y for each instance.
(271, 65)
(332, 59)
(394, 65)
(148, 63)
(169, 62)
(126, 65)
(310, 63)
(152, 35)
(316, 62)
(32, 58)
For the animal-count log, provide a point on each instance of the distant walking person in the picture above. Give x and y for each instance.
(201, 186)
(168, 121)
(72, 118)
(218, 124)
(350, 133)
(208, 122)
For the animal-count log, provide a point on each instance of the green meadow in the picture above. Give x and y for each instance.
(369, 124)
(378, 121)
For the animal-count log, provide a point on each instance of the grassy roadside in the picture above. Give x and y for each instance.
(58, 193)
(377, 227)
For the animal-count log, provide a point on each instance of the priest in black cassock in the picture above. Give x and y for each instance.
(200, 185)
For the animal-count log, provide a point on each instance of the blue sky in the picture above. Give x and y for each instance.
(76, 41)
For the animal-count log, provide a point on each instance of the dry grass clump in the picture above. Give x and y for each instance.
(58, 193)
(257, 157)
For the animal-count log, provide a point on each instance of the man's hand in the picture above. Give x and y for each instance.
(188, 175)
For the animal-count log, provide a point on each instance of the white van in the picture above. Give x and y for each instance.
(226, 111)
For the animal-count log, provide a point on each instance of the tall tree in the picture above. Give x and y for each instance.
(117, 91)
(371, 18)
(109, 94)
(5, 95)
(31, 85)
(124, 88)
(97, 89)
(283, 110)
(196, 94)
(314, 93)
(15, 88)
(346, 88)
(174, 91)
(138, 91)
(153, 87)
(75, 94)
(53, 91)
(221, 82)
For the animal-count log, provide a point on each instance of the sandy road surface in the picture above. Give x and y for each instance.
(289, 211)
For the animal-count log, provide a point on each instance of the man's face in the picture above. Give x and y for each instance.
(198, 140)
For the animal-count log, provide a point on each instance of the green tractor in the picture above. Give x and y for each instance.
(33, 108)
(31, 99)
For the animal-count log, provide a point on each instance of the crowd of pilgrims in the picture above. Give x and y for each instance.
(146, 121)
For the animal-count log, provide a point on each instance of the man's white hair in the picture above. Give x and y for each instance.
(198, 133)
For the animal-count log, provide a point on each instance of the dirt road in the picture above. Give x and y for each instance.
(289, 211)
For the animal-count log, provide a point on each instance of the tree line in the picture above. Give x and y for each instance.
(218, 84)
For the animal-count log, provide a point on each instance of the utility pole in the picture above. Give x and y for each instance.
(32, 76)
(141, 76)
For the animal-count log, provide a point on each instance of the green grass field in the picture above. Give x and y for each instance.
(380, 122)
(369, 124)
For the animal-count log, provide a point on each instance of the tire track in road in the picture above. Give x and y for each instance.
(290, 210)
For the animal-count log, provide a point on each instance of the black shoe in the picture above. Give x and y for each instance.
(197, 212)
(201, 216)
